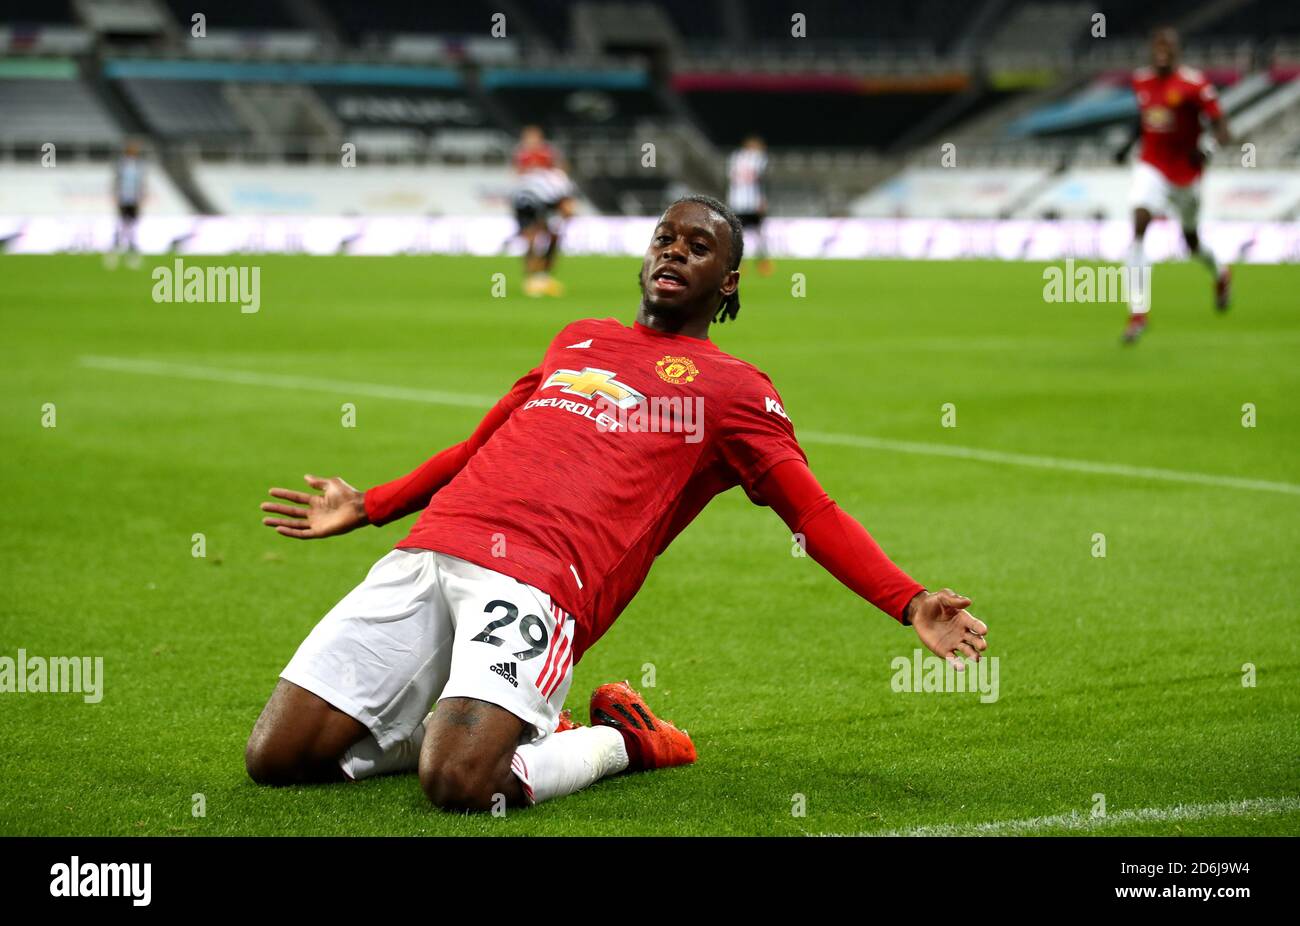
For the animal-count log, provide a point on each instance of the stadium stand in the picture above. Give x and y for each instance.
(854, 114)
(174, 109)
(370, 21)
(236, 14)
(930, 25)
(36, 12)
(57, 110)
(1262, 20)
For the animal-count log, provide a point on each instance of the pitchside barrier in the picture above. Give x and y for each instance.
(484, 236)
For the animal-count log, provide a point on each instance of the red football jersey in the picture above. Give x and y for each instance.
(619, 439)
(535, 157)
(1171, 109)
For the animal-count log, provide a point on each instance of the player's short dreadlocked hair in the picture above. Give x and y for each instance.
(730, 306)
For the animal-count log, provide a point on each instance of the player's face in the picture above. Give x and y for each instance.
(686, 268)
(1164, 50)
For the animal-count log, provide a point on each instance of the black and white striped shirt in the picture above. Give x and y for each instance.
(129, 182)
(546, 185)
(745, 171)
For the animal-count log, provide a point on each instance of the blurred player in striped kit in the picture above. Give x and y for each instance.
(128, 192)
(542, 201)
(745, 170)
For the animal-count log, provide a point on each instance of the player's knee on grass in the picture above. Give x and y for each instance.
(462, 783)
(285, 760)
(271, 763)
(465, 759)
(288, 760)
(299, 737)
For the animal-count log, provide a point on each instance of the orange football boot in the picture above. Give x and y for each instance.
(651, 742)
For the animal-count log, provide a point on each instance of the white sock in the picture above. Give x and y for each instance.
(1139, 272)
(365, 760)
(563, 763)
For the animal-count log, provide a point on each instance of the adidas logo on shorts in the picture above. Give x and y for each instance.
(507, 671)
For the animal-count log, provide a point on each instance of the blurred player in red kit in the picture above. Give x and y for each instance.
(536, 533)
(1172, 100)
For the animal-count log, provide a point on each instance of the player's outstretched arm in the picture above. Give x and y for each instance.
(338, 508)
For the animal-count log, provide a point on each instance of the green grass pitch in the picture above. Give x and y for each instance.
(1120, 676)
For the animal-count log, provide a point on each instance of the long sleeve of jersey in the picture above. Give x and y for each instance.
(412, 492)
(835, 539)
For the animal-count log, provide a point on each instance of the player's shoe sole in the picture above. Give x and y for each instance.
(651, 742)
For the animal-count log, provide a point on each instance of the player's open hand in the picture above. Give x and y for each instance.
(338, 509)
(947, 628)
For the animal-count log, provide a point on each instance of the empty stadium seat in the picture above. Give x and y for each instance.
(174, 108)
(30, 12)
(235, 14)
(39, 110)
(465, 17)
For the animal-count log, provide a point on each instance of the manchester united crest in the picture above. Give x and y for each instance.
(677, 370)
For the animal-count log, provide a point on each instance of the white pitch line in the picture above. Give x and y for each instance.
(465, 400)
(1040, 462)
(282, 381)
(1080, 822)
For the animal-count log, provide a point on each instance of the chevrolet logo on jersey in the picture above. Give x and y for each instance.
(591, 382)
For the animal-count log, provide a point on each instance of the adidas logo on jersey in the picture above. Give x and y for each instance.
(580, 344)
(507, 671)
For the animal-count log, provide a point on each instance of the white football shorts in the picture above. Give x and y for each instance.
(423, 626)
(1153, 192)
